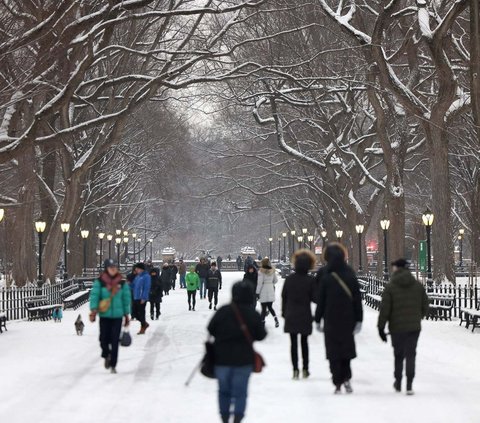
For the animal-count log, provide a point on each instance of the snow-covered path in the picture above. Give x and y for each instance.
(48, 374)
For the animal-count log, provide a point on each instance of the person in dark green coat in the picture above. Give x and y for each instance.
(192, 281)
(404, 305)
(111, 293)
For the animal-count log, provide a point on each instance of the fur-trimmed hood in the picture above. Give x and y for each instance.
(267, 271)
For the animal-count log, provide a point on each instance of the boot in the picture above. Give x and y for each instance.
(409, 387)
(338, 390)
(215, 308)
(151, 316)
(189, 307)
(277, 323)
(237, 419)
(113, 371)
(143, 329)
(306, 374)
(348, 387)
(107, 362)
(296, 374)
(225, 419)
(397, 385)
(210, 306)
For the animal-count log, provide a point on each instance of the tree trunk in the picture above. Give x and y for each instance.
(475, 62)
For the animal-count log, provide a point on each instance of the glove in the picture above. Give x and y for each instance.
(126, 321)
(382, 334)
(358, 328)
(93, 316)
(320, 327)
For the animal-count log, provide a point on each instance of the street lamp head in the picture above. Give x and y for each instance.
(65, 227)
(300, 238)
(118, 241)
(304, 231)
(150, 240)
(134, 236)
(109, 237)
(40, 227)
(84, 234)
(323, 234)
(284, 234)
(118, 232)
(385, 224)
(310, 238)
(125, 233)
(270, 239)
(139, 240)
(125, 239)
(428, 218)
(339, 234)
(2, 214)
(101, 235)
(461, 231)
(360, 229)
(292, 233)
(459, 237)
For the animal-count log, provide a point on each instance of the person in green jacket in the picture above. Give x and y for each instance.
(404, 305)
(192, 281)
(111, 299)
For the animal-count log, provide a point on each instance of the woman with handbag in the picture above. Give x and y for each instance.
(340, 308)
(235, 327)
(111, 299)
(267, 279)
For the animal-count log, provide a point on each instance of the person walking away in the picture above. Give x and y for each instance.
(404, 305)
(251, 275)
(110, 288)
(234, 355)
(239, 263)
(193, 285)
(173, 274)
(166, 278)
(202, 270)
(156, 292)
(297, 297)
(141, 294)
(182, 271)
(219, 263)
(248, 261)
(214, 283)
(267, 279)
(340, 308)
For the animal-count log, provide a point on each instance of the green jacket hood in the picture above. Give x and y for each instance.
(403, 278)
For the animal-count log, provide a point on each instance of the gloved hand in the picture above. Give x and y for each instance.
(319, 327)
(382, 334)
(93, 316)
(358, 328)
(126, 320)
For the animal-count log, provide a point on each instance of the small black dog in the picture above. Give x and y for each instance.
(79, 325)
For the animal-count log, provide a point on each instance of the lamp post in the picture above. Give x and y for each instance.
(323, 234)
(125, 242)
(118, 241)
(270, 241)
(460, 241)
(109, 239)
(310, 241)
(40, 228)
(139, 240)
(279, 249)
(385, 225)
(134, 236)
(101, 236)
(118, 232)
(65, 228)
(84, 235)
(360, 229)
(304, 233)
(284, 235)
(300, 241)
(428, 222)
(293, 241)
(151, 248)
(339, 234)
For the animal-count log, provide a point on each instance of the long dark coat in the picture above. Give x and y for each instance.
(339, 312)
(297, 297)
(156, 289)
(166, 278)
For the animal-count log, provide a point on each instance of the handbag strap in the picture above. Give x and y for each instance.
(343, 285)
(242, 323)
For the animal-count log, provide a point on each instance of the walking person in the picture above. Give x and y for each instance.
(111, 300)
(340, 308)
(267, 279)
(251, 276)
(239, 263)
(404, 305)
(182, 271)
(297, 297)
(193, 285)
(141, 294)
(219, 263)
(234, 354)
(202, 270)
(156, 292)
(166, 278)
(173, 274)
(214, 283)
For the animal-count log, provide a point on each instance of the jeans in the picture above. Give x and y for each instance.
(203, 287)
(182, 281)
(294, 350)
(405, 349)
(232, 389)
(341, 371)
(192, 298)
(213, 295)
(109, 337)
(139, 311)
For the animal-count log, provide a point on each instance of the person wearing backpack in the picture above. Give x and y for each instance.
(111, 300)
(340, 308)
(192, 281)
(234, 354)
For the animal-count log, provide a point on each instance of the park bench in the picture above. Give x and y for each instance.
(3, 322)
(39, 309)
(77, 299)
(471, 316)
(441, 306)
(373, 301)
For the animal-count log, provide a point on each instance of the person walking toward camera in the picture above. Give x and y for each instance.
(141, 294)
(404, 305)
(234, 354)
(202, 270)
(267, 279)
(110, 299)
(192, 282)
(182, 271)
(297, 297)
(340, 309)
(214, 283)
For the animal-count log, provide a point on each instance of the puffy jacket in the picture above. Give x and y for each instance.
(182, 268)
(267, 279)
(121, 302)
(202, 269)
(214, 279)
(192, 280)
(141, 286)
(404, 303)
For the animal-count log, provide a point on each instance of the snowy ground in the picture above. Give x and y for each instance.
(48, 374)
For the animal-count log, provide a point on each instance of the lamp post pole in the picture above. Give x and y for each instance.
(284, 235)
(324, 234)
(270, 241)
(101, 236)
(360, 229)
(109, 239)
(134, 236)
(125, 242)
(385, 225)
(40, 227)
(300, 242)
(339, 234)
(293, 242)
(118, 241)
(84, 235)
(279, 249)
(151, 248)
(428, 218)
(65, 228)
(460, 239)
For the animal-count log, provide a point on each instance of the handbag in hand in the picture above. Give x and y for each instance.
(207, 367)
(126, 338)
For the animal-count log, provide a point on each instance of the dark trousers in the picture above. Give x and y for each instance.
(154, 305)
(174, 281)
(139, 311)
(109, 337)
(405, 349)
(294, 350)
(213, 295)
(192, 298)
(341, 371)
(268, 306)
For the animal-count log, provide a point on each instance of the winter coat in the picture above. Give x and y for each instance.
(249, 261)
(231, 347)
(219, 262)
(202, 269)
(214, 279)
(182, 269)
(267, 279)
(173, 272)
(252, 278)
(404, 303)
(297, 297)
(339, 311)
(156, 289)
(141, 286)
(166, 278)
(193, 281)
(121, 303)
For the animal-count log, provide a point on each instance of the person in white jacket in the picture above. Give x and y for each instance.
(267, 279)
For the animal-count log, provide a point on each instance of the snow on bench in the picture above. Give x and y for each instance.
(76, 300)
(77, 295)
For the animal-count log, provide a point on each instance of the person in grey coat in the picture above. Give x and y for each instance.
(267, 279)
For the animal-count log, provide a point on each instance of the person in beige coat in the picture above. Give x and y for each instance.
(267, 279)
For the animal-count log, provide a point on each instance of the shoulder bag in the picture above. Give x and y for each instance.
(342, 283)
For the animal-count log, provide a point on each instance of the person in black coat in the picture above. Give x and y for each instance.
(297, 297)
(340, 308)
(234, 354)
(214, 283)
(173, 274)
(156, 293)
(166, 278)
(251, 276)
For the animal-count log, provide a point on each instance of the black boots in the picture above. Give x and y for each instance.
(397, 385)
(296, 374)
(277, 323)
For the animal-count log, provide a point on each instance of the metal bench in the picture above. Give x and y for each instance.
(471, 316)
(76, 300)
(373, 301)
(3, 322)
(39, 309)
(441, 306)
